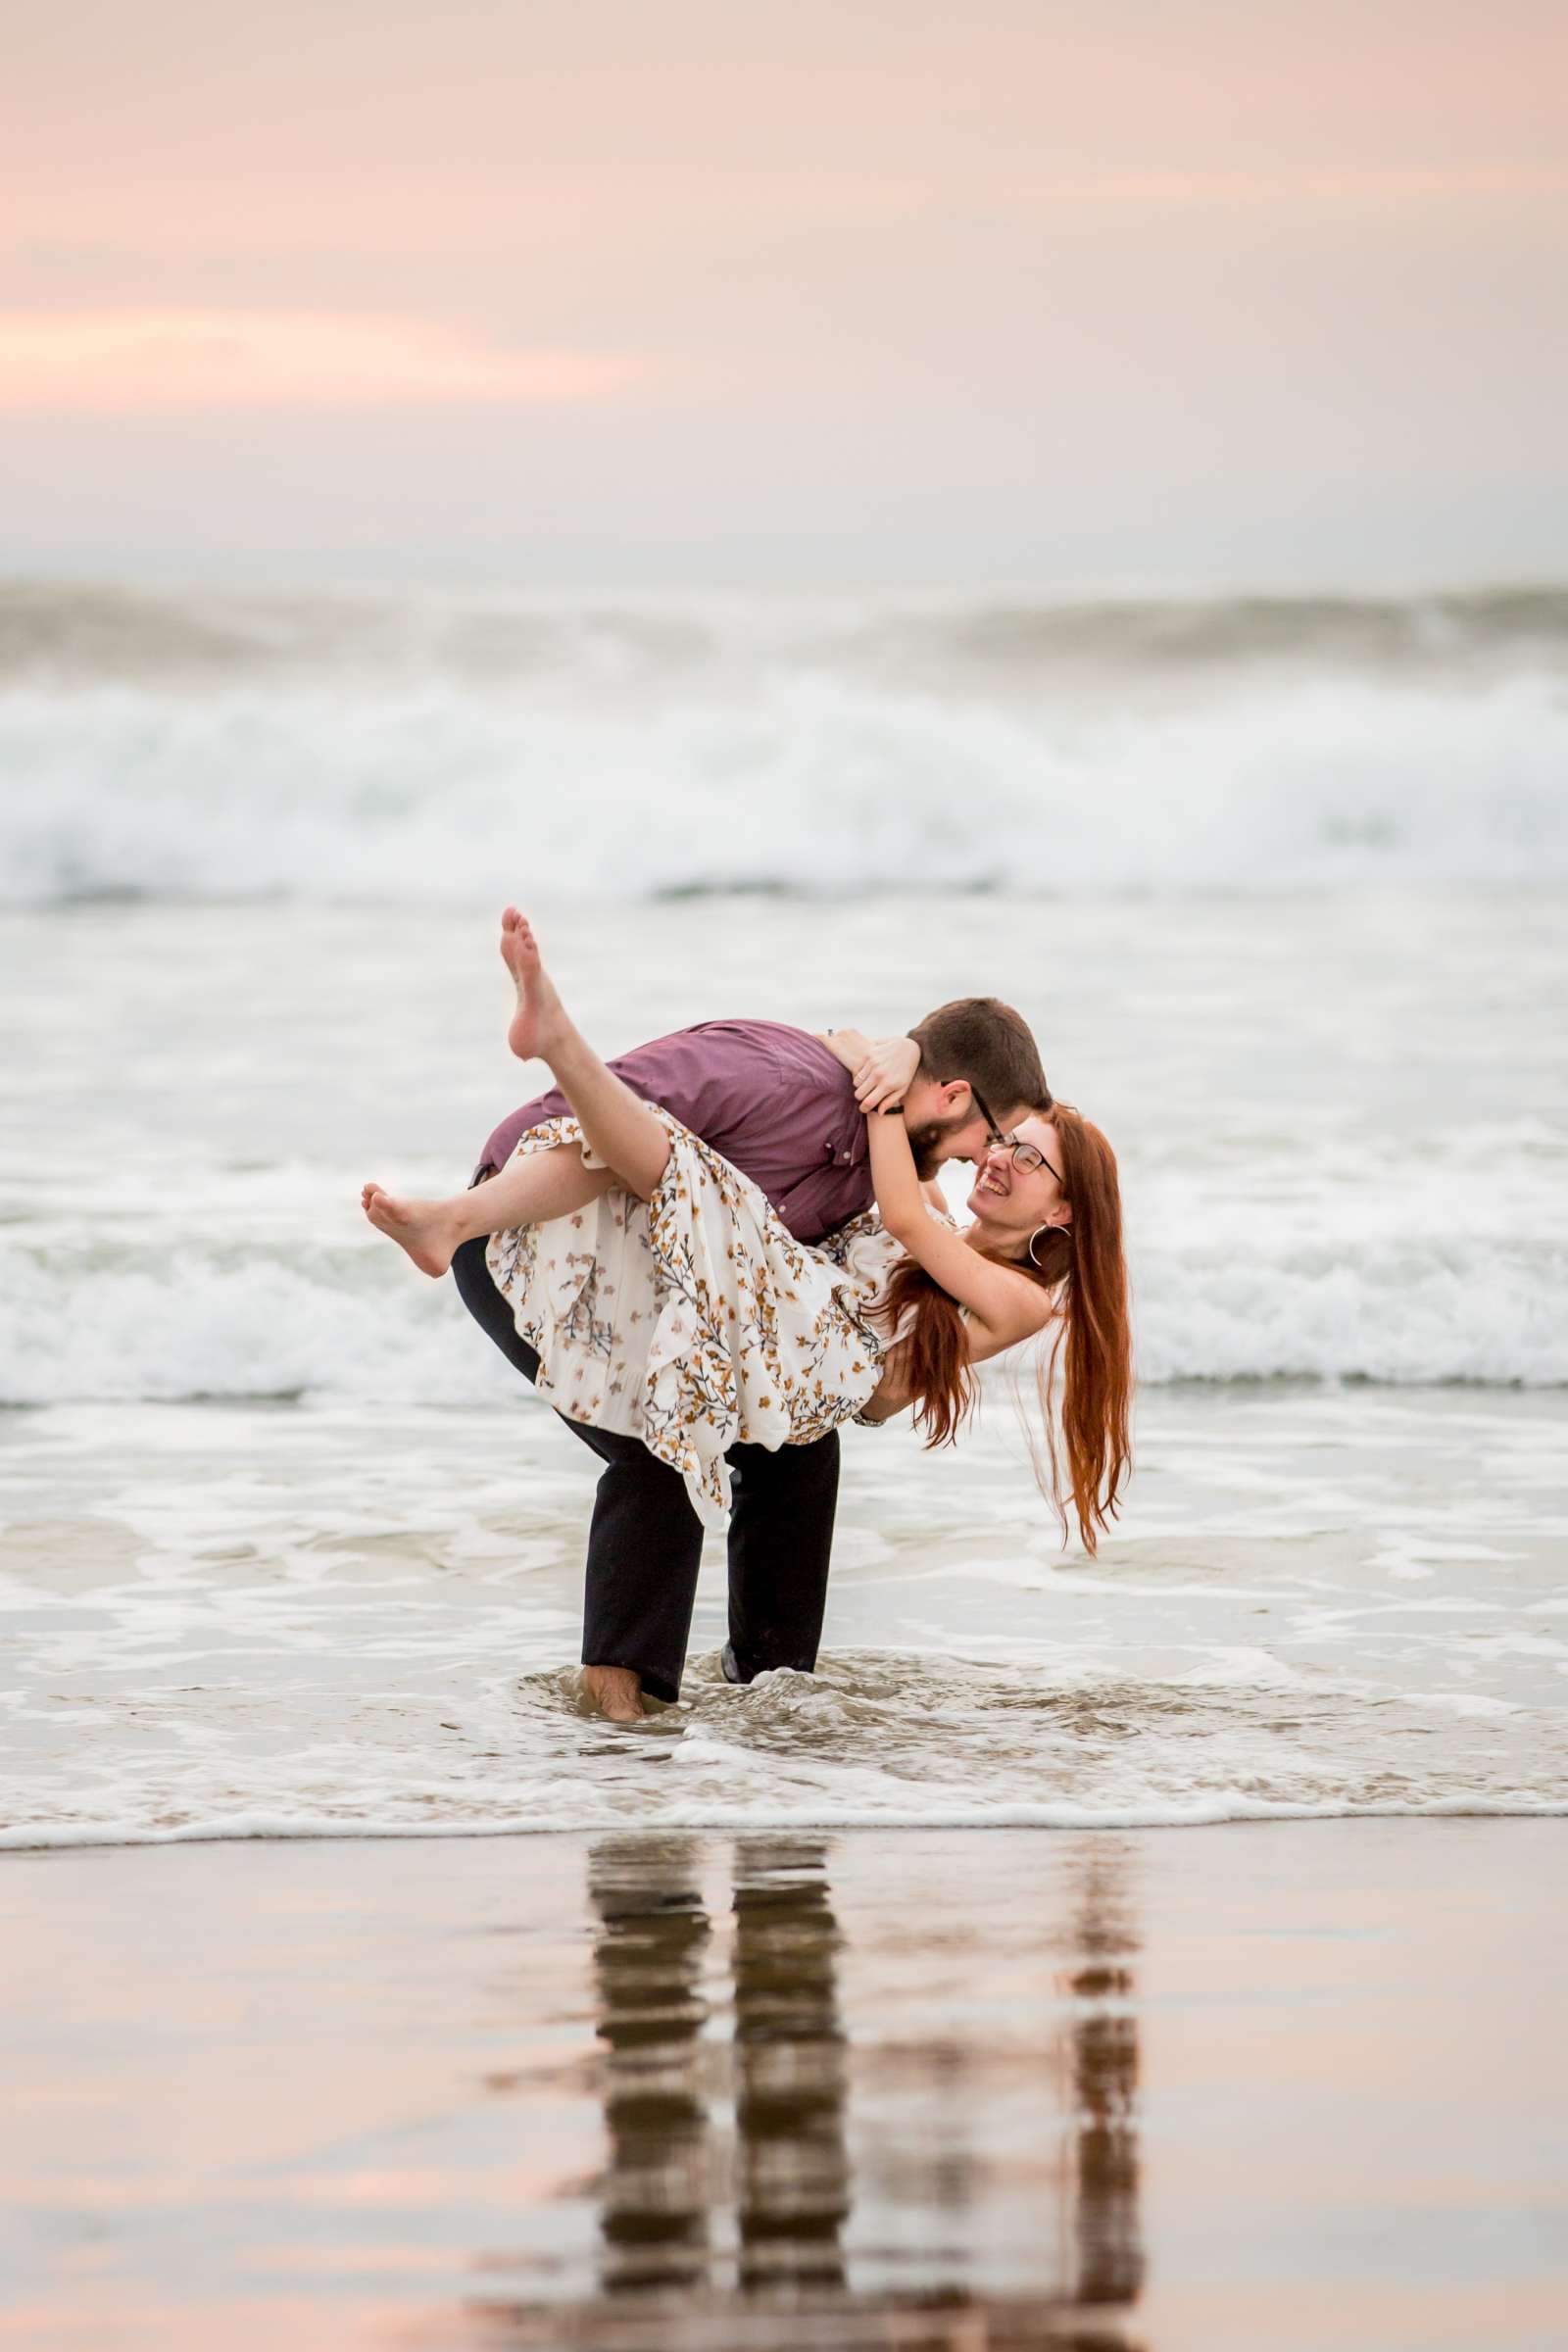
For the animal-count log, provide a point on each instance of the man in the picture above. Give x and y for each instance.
(778, 1104)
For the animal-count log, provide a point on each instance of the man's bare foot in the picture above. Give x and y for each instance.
(426, 1229)
(615, 1691)
(540, 1015)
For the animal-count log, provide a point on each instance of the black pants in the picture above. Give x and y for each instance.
(646, 1540)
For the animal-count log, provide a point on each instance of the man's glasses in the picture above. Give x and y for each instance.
(1027, 1159)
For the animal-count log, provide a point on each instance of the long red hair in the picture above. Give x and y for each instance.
(1082, 1264)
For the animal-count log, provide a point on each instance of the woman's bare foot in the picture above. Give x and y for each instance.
(426, 1229)
(615, 1691)
(540, 1015)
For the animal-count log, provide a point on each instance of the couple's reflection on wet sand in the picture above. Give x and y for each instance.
(785, 2171)
(735, 2103)
(1108, 2243)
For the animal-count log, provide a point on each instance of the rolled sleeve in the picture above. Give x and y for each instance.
(712, 1079)
(771, 1099)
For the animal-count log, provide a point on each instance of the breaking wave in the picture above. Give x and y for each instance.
(342, 1323)
(329, 750)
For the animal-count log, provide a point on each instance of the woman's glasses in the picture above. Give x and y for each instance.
(1027, 1159)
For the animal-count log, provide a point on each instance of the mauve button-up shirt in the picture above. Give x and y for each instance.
(774, 1099)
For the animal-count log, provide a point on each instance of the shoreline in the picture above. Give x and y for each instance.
(1005, 1822)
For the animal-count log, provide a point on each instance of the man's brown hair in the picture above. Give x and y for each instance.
(984, 1040)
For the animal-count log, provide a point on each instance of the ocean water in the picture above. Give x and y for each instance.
(285, 1548)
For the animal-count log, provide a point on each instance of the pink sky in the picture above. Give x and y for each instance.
(878, 294)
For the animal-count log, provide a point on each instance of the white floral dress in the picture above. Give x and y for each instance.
(694, 1321)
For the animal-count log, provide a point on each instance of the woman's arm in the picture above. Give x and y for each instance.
(1003, 1306)
(882, 1068)
(849, 1046)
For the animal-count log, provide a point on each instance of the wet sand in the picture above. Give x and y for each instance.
(1293, 2084)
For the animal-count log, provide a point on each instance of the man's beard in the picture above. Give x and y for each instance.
(929, 1144)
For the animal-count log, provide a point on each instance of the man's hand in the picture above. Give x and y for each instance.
(892, 1394)
(887, 1072)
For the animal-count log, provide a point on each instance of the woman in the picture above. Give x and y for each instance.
(676, 1307)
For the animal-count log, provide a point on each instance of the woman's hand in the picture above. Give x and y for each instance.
(849, 1046)
(885, 1072)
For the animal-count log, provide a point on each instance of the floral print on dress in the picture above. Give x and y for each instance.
(694, 1321)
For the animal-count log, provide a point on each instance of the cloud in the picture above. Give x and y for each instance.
(143, 358)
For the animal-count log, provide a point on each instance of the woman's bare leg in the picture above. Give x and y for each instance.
(620, 1126)
(525, 1191)
(620, 1130)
